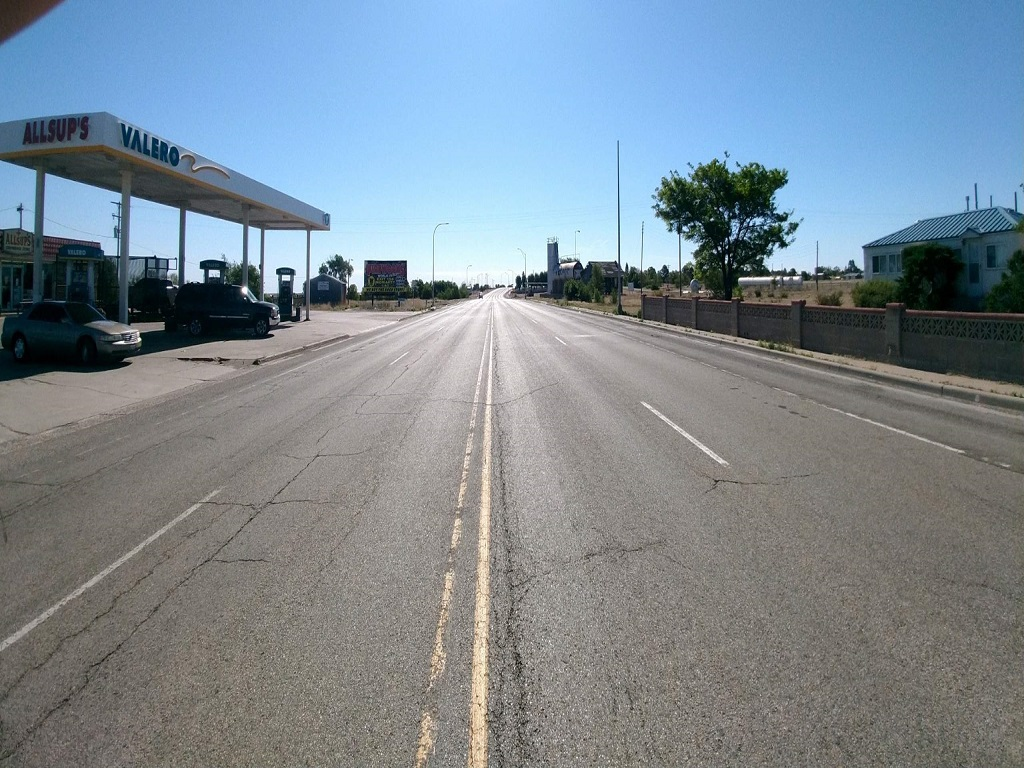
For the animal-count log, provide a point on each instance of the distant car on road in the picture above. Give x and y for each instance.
(202, 307)
(68, 329)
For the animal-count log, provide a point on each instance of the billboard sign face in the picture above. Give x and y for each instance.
(385, 279)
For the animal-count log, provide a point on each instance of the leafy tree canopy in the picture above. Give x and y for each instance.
(337, 266)
(1008, 294)
(233, 276)
(929, 276)
(731, 215)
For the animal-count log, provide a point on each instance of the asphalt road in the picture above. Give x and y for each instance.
(508, 534)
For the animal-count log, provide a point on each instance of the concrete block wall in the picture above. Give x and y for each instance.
(974, 344)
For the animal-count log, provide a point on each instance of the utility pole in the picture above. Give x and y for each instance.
(21, 210)
(618, 205)
(117, 231)
(815, 265)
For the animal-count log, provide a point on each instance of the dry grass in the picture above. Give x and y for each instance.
(808, 292)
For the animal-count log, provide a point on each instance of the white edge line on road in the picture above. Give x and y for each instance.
(561, 342)
(397, 359)
(891, 429)
(686, 434)
(101, 575)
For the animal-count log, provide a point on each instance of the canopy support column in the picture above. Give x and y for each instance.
(122, 268)
(263, 261)
(245, 246)
(181, 246)
(307, 273)
(37, 241)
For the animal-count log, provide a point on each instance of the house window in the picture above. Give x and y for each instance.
(899, 262)
(874, 265)
(892, 262)
(992, 257)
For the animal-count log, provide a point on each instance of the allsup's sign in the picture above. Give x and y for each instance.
(56, 129)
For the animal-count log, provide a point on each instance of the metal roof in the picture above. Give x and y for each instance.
(95, 148)
(983, 222)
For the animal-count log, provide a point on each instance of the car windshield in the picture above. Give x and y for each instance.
(82, 314)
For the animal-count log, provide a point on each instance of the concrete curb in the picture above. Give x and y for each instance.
(952, 392)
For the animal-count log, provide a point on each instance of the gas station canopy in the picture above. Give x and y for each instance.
(97, 148)
(104, 151)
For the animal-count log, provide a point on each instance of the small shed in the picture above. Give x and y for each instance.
(325, 289)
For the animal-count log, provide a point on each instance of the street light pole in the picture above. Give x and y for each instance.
(524, 269)
(575, 250)
(467, 275)
(433, 240)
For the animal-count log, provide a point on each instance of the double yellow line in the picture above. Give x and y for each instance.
(481, 620)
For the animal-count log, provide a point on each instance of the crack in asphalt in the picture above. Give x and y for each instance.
(716, 481)
(96, 665)
(510, 706)
(166, 555)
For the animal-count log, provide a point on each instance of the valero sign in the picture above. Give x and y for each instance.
(151, 146)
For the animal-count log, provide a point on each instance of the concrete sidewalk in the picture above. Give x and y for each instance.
(41, 396)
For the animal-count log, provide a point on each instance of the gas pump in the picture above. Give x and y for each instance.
(285, 293)
(214, 270)
(80, 273)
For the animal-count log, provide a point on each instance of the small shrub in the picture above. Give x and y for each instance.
(831, 299)
(757, 292)
(875, 293)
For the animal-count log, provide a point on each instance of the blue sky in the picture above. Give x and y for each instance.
(502, 118)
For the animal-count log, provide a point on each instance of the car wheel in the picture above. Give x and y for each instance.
(19, 348)
(262, 326)
(87, 352)
(195, 327)
(170, 326)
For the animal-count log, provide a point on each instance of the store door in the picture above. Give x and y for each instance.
(12, 280)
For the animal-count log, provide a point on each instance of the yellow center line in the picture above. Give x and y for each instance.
(428, 720)
(482, 617)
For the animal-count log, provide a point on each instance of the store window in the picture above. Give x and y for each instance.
(992, 257)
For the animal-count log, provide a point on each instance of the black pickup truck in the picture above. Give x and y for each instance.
(203, 307)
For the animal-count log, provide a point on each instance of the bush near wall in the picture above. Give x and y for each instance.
(875, 294)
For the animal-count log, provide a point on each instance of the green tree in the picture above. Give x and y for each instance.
(353, 293)
(1008, 294)
(929, 276)
(596, 283)
(337, 266)
(664, 272)
(732, 216)
(233, 276)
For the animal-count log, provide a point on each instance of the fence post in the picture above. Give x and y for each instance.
(894, 330)
(734, 320)
(693, 311)
(796, 324)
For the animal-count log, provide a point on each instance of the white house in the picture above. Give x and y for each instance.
(983, 239)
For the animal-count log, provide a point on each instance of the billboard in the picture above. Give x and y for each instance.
(385, 279)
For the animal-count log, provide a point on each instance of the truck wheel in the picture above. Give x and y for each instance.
(196, 327)
(262, 326)
(170, 326)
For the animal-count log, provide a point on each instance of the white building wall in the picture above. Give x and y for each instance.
(885, 262)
